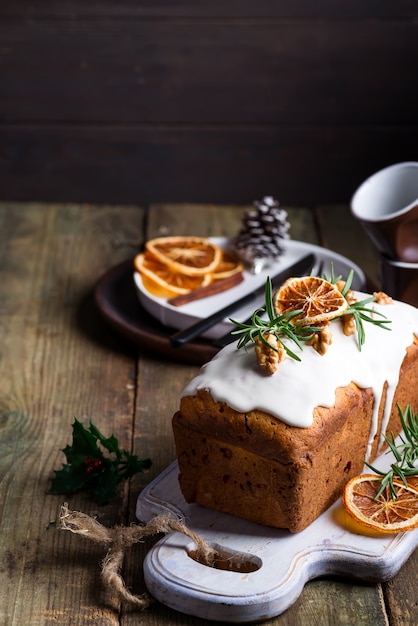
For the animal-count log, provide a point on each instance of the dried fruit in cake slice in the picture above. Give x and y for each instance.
(162, 281)
(317, 299)
(193, 256)
(382, 513)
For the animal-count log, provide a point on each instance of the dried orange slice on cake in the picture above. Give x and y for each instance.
(318, 299)
(160, 280)
(384, 514)
(194, 256)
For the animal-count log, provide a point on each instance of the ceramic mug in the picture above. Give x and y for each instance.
(400, 280)
(386, 205)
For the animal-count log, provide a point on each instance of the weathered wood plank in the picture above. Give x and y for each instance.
(302, 224)
(216, 8)
(205, 220)
(221, 220)
(209, 102)
(401, 594)
(300, 166)
(282, 73)
(52, 369)
(340, 602)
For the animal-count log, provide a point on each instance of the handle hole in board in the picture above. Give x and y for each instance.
(228, 560)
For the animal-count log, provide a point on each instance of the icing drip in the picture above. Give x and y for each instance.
(291, 394)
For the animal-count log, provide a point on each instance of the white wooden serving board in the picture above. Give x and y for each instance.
(331, 545)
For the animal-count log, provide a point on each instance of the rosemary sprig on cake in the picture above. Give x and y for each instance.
(406, 453)
(387, 501)
(301, 311)
(278, 326)
(358, 308)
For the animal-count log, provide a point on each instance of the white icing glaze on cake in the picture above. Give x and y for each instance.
(291, 394)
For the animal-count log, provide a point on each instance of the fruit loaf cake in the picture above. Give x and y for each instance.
(278, 449)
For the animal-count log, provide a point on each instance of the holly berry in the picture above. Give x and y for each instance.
(92, 464)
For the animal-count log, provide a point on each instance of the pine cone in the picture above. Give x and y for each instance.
(260, 240)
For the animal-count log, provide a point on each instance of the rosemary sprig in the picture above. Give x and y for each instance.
(360, 313)
(405, 453)
(280, 326)
(334, 279)
(359, 310)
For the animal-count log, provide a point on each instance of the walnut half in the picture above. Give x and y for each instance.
(268, 357)
(382, 298)
(322, 339)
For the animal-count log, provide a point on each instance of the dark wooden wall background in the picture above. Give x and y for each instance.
(204, 100)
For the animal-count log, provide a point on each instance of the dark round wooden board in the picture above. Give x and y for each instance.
(116, 298)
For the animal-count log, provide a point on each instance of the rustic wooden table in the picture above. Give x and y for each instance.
(59, 359)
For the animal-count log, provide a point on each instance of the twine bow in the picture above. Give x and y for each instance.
(118, 540)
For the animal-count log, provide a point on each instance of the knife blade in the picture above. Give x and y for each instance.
(182, 337)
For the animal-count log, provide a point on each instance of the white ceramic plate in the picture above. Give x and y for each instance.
(182, 317)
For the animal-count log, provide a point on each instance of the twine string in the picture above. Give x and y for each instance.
(118, 540)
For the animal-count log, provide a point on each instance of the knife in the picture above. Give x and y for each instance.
(195, 330)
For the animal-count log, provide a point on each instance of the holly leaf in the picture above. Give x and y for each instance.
(95, 463)
(134, 465)
(68, 480)
(110, 443)
(84, 445)
(105, 487)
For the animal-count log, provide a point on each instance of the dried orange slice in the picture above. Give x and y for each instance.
(228, 266)
(194, 256)
(318, 299)
(385, 514)
(413, 482)
(162, 281)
